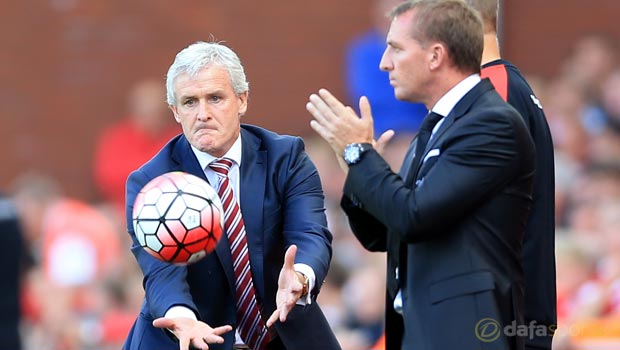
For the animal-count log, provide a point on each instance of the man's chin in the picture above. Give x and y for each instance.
(203, 143)
(403, 96)
(399, 95)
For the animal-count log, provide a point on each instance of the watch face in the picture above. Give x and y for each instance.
(352, 154)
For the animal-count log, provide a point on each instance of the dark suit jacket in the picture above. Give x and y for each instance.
(455, 227)
(282, 204)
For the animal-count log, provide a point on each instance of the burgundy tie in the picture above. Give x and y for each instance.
(250, 325)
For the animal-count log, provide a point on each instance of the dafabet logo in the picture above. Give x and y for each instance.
(489, 330)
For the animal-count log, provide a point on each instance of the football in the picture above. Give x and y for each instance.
(178, 218)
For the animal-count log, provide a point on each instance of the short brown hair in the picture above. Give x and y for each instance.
(451, 22)
(488, 11)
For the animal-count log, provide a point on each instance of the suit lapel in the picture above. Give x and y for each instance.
(186, 158)
(459, 110)
(405, 168)
(252, 188)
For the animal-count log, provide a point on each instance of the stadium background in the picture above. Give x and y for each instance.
(67, 64)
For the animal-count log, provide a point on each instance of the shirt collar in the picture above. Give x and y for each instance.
(234, 153)
(447, 102)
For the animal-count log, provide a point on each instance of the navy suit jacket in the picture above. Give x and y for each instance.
(453, 226)
(282, 204)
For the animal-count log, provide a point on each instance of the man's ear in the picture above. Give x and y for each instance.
(438, 54)
(174, 111)
(243, 103)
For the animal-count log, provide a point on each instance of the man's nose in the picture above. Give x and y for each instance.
(385, 64)
(203, 111)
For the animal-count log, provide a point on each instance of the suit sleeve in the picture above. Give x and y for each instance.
(369, 231)
(165, 284)
(305, 223)
(482, 154)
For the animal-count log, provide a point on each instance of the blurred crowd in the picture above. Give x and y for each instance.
(81, 287)
(582, 105)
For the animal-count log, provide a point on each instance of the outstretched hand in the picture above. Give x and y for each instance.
(289, 288)
(189, 331)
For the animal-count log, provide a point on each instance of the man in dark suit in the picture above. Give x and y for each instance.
(281, 219)
(539, 240)
(452, 221)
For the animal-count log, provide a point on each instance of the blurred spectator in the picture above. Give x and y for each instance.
(331, 299)
(77, 250)
(34, 193)
(592, 59)
(590, 68)
(130, 142)
(74, 242)
(588, 290)
(566, 175)
(364, 78)
(364, 299)
(564, 107)
(577, 290)
(589, 270)
(11, 263)
(610, 102)
(323, 158)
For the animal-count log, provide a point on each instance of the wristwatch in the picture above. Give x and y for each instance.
(353, 152)
(305, 282)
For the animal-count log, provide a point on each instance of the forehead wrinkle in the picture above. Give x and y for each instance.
(188, 86)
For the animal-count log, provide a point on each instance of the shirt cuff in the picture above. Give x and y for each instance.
(306, 270)
(180, 312)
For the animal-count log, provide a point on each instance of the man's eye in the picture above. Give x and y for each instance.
(215, 98)
(189, 103)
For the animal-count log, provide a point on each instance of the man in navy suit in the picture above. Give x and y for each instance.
(279, 194)
(452, 222)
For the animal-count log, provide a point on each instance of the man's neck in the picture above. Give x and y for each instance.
(491, 50)
(444, 84)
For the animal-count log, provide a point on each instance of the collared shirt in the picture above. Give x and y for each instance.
(234, 154)
(446, 103)
(443, 107)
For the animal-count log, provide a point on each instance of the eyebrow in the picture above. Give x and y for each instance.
(392, 43)
(217, 91)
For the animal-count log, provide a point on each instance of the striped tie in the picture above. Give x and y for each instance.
(250, 325)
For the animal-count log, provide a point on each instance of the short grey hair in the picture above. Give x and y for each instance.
(195, 57)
